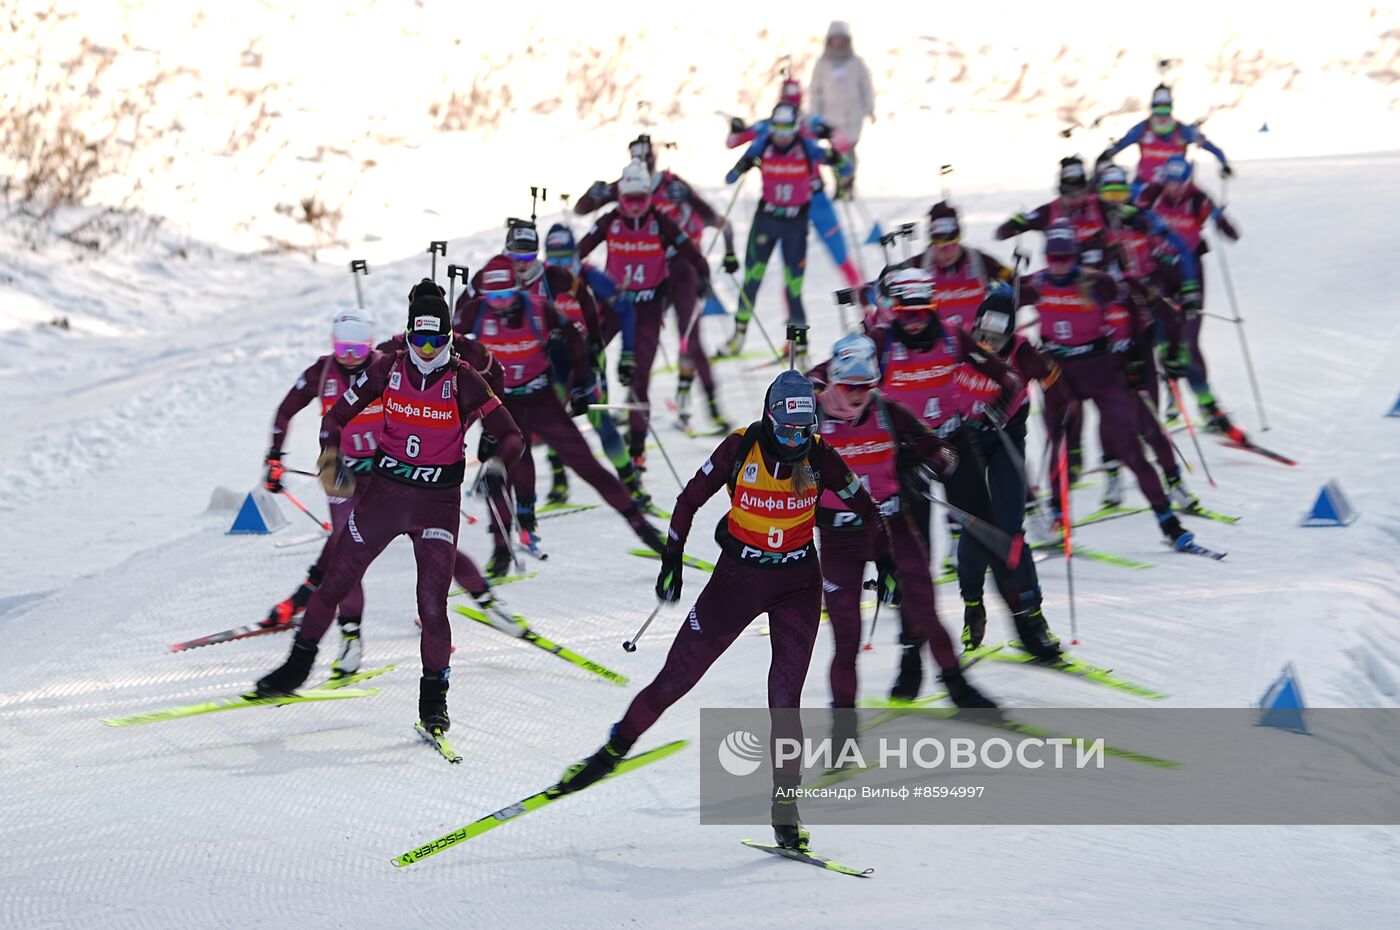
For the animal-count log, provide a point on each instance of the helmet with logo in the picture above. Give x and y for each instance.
(560, 247)
(634, 189)
(429, 326)
(911, 289)
(1073, 180)
(995, 323)
(943, 224)
(790, 411)
(1112, 183)
(1177, 169)
(1162, 100)
(498, 284)
(782, 124)
(853, 361)
(1060, 241)
(352, 337)
(522, 240)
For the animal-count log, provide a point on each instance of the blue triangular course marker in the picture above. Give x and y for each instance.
(876, 234)
(1264, 128)
(1331, 509)
(1282, 704)
(258, 515)
(1395, 411)
(713, 307)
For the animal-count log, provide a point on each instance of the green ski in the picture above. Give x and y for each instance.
(1199, 511)
(497, 582)
(805, 855)
(335, 683)
(560, 510)
(535, 639)
(438, 740)
(1071, 666)
(237, 702)
(1084, 552)
(1108, 513)
(524, 806)
(690, 560)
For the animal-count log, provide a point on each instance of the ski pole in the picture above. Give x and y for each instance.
(454, 272)
(358, 267)
(471, 520)
(766, 338)
(1067, 522)
(1244, 342)
(504, 527)
(1190, 428)
(1004, 547)
(855, 245)
(662, 447)
(302, 507)
(874, 621)
(630, 645)
(796, 337)
(724, 217)
(1152, 409)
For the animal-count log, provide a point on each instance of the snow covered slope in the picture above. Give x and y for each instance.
(118, 430)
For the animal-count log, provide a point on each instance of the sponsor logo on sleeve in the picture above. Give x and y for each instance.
(434, 532)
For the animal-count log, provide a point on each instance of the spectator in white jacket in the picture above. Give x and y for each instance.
(840, 89)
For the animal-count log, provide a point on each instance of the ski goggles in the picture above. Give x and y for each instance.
(501, 296)
(946, 242)
(634, 201)
(792, 434)
(559, 258)
(350, 351)
(1162, 109)
(434, 341)
(1114, 193)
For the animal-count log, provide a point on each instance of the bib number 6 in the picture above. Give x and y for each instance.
(411, 447)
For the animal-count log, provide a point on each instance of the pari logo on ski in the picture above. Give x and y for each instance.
(740, 753)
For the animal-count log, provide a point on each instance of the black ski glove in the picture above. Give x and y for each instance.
(668, 583)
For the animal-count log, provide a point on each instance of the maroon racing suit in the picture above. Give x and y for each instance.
(638, 245)
(871, 445)
(1077, 332)
(520, 341)
(327, 379)
(786, 582)
(677, 199)
(401, 498)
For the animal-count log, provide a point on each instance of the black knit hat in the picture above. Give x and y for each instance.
(428, 313)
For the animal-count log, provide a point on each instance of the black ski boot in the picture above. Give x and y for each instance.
(844, 729)
(291, 674)
(722, 425)
(911, 670)
(633, 482)
(351, 649)
(788, 831)
(596, 767)
(285, 613)
(962, 692)
(559, 489)
(499, 565)
(432, 702)
(1034, 633)
(974, 624)
(647, 533)
(1179, 536)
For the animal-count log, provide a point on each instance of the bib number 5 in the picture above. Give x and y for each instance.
(775, 538)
